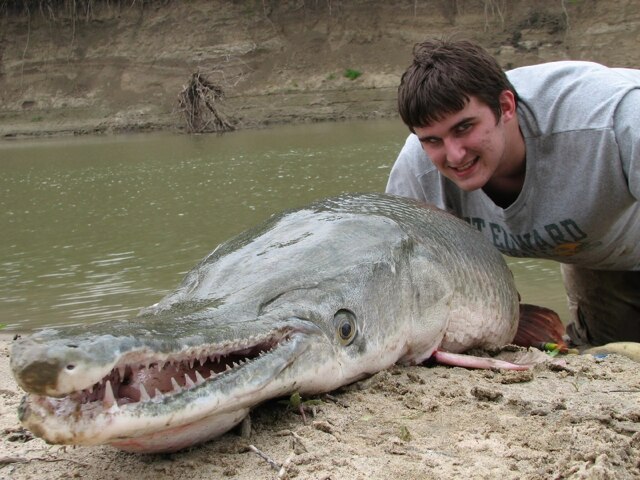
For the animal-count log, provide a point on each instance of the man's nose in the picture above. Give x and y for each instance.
(454, 150)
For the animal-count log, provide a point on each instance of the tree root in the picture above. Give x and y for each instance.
(200, 102)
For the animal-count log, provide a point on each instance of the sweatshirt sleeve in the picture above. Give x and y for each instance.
(410, 166)
(627, 131)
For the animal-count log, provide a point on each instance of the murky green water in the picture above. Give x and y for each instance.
(95, 228)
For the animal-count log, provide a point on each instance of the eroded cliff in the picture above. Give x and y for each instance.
(95, 66)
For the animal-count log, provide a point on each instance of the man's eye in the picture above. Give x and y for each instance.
(463, 127)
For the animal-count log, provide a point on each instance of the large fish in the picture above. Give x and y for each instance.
(313, 299)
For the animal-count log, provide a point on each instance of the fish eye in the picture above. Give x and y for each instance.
(345, 325)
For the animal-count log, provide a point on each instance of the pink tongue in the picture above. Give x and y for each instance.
(127, 392)
(152, 379)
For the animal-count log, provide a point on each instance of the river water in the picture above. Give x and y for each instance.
(93, 228)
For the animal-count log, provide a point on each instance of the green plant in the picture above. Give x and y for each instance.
(352, 74)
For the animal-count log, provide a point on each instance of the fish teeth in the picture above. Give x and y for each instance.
(121, 370)
(144, 396)
(199, 378)
(157, 394)
(189, 382)
(176, 387)
(109, 399)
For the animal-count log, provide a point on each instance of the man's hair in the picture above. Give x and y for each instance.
(442, 78)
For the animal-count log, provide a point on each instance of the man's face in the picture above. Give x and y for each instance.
(468, 146)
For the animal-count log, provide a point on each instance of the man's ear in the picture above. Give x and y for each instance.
(507, 105)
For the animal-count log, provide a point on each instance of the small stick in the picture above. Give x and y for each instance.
(7, 460)
(301, 410)
(283, 471)
(275, 465)
(296, 439)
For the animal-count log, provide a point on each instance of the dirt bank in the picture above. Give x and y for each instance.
(120, 66)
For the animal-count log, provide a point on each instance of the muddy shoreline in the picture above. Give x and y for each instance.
(257, 112)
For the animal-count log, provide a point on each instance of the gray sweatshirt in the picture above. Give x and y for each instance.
(579, 202)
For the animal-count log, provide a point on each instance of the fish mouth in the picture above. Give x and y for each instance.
(138, 395)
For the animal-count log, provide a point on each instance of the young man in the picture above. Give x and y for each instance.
(543, 160)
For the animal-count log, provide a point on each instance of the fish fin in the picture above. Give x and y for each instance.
(539, 326)
(469, 361)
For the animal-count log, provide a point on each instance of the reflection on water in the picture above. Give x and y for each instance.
(95, 228)
(540, 283)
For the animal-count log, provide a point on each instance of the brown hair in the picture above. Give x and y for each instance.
(442, 78)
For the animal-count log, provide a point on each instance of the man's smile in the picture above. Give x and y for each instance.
(466, 166)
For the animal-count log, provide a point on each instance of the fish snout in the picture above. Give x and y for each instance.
(52, 370)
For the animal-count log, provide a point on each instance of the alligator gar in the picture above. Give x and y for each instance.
(313, 299)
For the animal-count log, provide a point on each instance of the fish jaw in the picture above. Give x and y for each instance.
(183, 436)
(202, 406)
(160, 434)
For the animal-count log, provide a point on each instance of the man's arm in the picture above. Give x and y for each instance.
(410, 166)
(626, 126)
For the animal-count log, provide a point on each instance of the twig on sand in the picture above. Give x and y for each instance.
(8, 460)
(275, 465)
(298, 443)
(281, 469)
